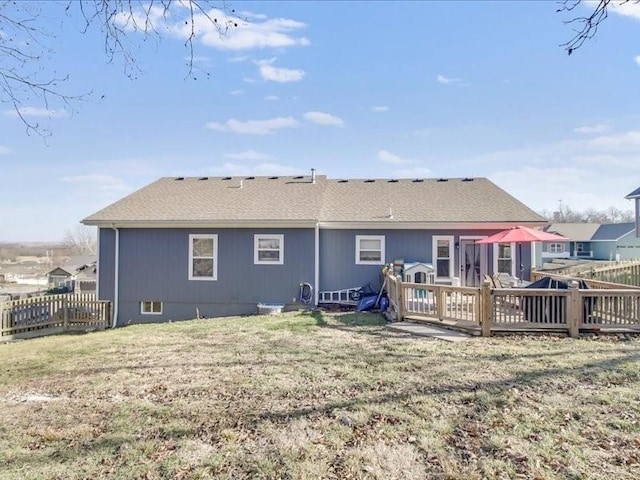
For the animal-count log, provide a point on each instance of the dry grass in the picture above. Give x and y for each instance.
(317, 396)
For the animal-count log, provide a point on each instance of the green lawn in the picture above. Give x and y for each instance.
(306, 396)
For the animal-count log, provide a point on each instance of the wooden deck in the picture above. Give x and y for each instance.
(489, 311)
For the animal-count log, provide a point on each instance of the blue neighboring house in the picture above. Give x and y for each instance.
(217, 246)
(635, 196)
(593, 241)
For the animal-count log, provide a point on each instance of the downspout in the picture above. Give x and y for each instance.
(116, 277)
(317, 265)
(637, 217)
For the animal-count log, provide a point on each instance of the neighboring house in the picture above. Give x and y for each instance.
(77, 273)
(593, 241)
(635, 196)
(182, 247)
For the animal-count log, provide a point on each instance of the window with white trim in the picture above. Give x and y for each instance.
(151, 308)
(268, 249)
(203, 257)
(504, 258)
(369, 249)
(555, 248)
(443, 256)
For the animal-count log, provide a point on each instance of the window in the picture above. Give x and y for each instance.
(504, 261)
(369, 249)
(203, 257)
(580, 247)
(151, 308)
(555, 248)
(443, 256)
(268, 249)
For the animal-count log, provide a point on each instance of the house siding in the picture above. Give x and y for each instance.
(106, 264)
(337, 254)
(154, 267)
(628, 247)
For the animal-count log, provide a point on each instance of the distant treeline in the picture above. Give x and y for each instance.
(590, 215)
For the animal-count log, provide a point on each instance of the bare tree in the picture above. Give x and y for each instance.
(81, 241)
(24, 42)
(586, 26)
(565, 214)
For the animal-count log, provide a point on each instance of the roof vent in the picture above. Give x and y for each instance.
(393, 180)
(273, 178)
(250, 178)
(299, 177)
(180, 178)
(204, 178)
(343, 181)
(443, 179)
(418, 180)
(227, 178)
(369, 181)
(467, 179)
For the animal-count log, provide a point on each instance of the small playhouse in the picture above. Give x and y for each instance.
(418, 272)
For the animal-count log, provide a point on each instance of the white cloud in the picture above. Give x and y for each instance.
(238, 58)
(248, 155)
(385, 156)
(5, 150)
(379, 108)
(97, 181)
(637, 59)
(254, 127)
(237, 92)
(281, 75)
(37, 112)
(259, 33)
(446, 80)
(199, 60)
(622, 141)
(626, 9)
(324, 119)
(582, 173)
(235, 169)
(272, 98)
(588, 129)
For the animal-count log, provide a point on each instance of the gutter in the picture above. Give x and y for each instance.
(116, 276)
(316, 280)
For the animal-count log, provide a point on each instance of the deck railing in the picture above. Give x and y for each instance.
(626, 272)
(492, 310)
(45, 315)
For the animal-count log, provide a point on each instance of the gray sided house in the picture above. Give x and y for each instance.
(182, 247)
(593, 241)
(635, 196)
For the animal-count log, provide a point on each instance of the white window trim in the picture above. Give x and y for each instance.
(382, 249)
(260, 236)
(514, 258)
(142, 312)
(553, 249)
(434, 256)
(215, 256)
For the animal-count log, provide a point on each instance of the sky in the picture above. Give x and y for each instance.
(352, 89)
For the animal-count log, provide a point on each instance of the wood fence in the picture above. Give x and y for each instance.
(46, 315)
(622, 273)
(486, 310)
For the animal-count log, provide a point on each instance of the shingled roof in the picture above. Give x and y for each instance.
(222, 200)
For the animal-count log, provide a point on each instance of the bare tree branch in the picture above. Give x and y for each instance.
(24, 43)
(586, 26)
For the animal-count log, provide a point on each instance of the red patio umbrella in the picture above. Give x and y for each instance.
(520, 235)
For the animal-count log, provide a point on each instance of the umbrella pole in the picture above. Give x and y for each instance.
(521, 264)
